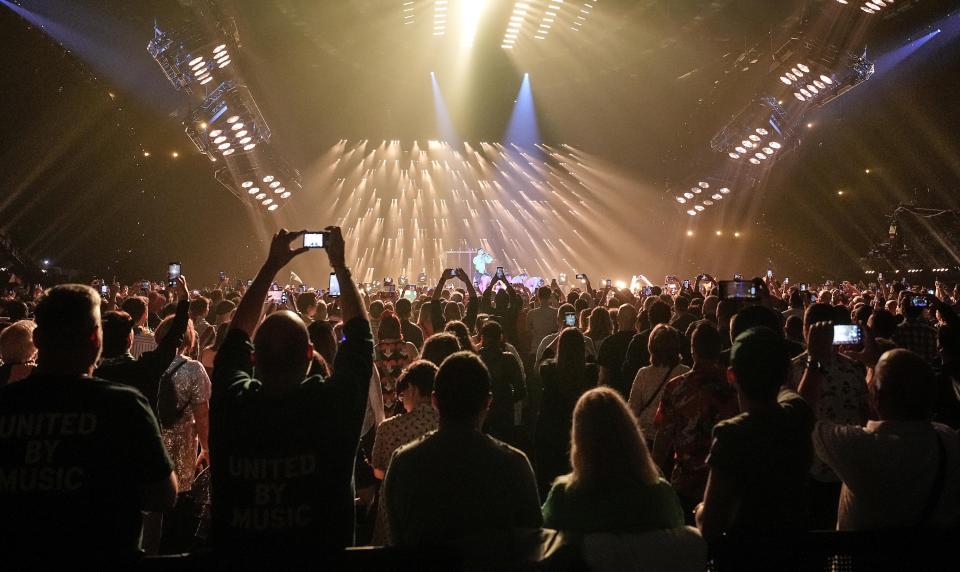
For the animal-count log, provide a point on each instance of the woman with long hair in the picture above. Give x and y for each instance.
(459, 329)
(392, 354)
(601, 326)
(565, 378)
(614, 484)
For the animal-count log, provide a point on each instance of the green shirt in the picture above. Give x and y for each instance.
(631, 507)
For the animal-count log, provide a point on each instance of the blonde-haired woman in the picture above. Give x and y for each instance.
(614, 485)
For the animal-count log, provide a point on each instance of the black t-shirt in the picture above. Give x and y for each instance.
(412, 333)
(283, 465)
(637, 356)
(507, 387)
(75, 453)
(768, 454)
(611, 354)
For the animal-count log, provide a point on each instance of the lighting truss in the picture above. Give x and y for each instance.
(703, 194)
(440, 15)
(190, 58)
(871, 6)
(547, 15)
(227, 122)
(756, 134)
(408, 12)
(262, 179)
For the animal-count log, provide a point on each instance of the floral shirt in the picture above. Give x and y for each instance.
(843, 399)
(390, 359)
(691, 405)
(181, 440)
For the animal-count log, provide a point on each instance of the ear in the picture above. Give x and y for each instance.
(487, 402)
(433, 400)
(311, 351)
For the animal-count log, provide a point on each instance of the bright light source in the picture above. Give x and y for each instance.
(719, 233)
(174, 154)
(737, 234)
(146, 153)
(689, 233)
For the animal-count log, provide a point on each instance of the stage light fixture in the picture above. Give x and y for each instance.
(235, 122)
(189, 55)
(261, 178)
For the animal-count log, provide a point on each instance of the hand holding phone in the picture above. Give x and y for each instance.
(173, 271)
(334, 287)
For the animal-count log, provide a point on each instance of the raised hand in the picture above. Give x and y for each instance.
(335, 247)
(280, 252)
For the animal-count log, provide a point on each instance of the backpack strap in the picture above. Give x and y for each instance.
(666, 378)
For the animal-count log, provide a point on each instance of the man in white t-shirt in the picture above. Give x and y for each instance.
(900, 471)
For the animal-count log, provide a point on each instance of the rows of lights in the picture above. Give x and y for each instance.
(440, 17)
(807, 86)
(735, 234)
(203, 68)
(757, 146)
(872, 6)
(406, 9)
(581, 17)
(268, 191)
(227, 122)
(699, 197)
(517, 18)
(548, 19)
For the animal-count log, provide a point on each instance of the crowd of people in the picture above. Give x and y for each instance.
(163, 420)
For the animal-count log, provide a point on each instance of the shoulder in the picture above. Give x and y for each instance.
(509, 453)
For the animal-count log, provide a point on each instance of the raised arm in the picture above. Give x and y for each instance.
(351, 305)
(167, 349)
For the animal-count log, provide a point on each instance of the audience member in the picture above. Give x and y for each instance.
(613, 350)
(647, 388)
(17, 351)
(507, 386)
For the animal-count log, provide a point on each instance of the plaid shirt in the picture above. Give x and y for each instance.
(918, 336)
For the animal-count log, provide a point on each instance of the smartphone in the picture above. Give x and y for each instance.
(104, 290)
(803, 286)
(499, 273)
(738, 276)
(608, 282)
(276, 296)
(390, 288)
(570, 319)
(847, 335)
(223, 275)
(145, 286)
(315, 239)
(686, 284)
(647, 291)
(334, 288)
(173, 272)
(769, 274)
(930, 291)
(284, 297)
(786, 279)
(918, 301)
(738, 290)
(410, 292)
(249, 283)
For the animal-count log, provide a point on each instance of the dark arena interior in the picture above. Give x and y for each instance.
(605, 284)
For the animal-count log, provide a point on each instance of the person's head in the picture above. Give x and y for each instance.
(136, 307)
(321, 312)
(793, 329)
(572, 297)
(415, 384)
(544, 293)
(816, 313)
(68, 336)
(796, 300)
(754, 317)
(491, 335)
(501, 299)
(163, 329)
(155, 301)
(600, 324)
(389, 328)
(627, 317)
(461, 390)
(709, 307)
(15, 310)
(376, 308)
(456, 296)
(423, 317)
(16, 342)
(452, 311)
(223, 312)
(882, 323)
(282, 350)
(439, 346)
(323, 340)
(562, 311)
(664, 346)
(904, 387)
(705, 343)
(307, 303)
(199, 308)
(759, 365)
(681, 304)
(726, 309)
(607, 449)
(659, 313)
(571, 357)
(117, 333)
(460, 330)
(580, 305)
(404, 308)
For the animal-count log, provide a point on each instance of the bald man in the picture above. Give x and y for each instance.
(283, 443)
(901, 471)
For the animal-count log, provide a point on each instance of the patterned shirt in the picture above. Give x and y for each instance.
(843, 399)
(691, 405)
(390, 358)
(142, 342)
(918, 336)
(181, 440)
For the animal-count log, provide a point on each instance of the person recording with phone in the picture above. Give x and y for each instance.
(506, 304)
(283, 445)
(915, 332)
(442, 312)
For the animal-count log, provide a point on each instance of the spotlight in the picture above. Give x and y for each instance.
(262, 176)
(174, 154)
(188, 56)
(736, 234)
(234, 120)
(689, 233)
